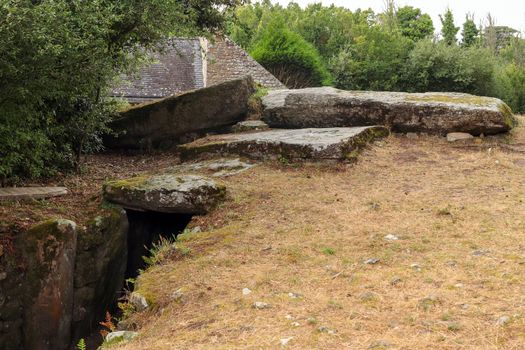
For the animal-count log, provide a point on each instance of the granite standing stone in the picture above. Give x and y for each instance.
(435, 113)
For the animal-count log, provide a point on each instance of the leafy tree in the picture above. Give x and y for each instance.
(330, 28)
(414, 24)
(515, 51)
(294, 61)
(58, 58)
(394, 50)
(388, 19)
(488, 34)
(449, 30)
(510, 75)
(470, 32)
(372, 62)
(436, 66)
(498, 37)
(246, 24)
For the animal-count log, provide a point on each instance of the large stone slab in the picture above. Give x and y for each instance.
(436, 113)
(21, 193)
(222, 167)
(181, 194)
(176, 119)
(49, 250)
(327, 143)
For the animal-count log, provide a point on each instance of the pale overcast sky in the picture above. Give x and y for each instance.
(507, 12)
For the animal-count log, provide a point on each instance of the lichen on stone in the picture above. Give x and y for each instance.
(452, 98)
(134, 182)
(434, 113)
(508, 115)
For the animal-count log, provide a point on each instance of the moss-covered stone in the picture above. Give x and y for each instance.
(250, 125)
(43, 244)
(452, 99)
(168, 193)
(509, 118)
(117, 337)
(134, 182)
(358, 143)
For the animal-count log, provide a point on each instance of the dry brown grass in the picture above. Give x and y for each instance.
(308, 229)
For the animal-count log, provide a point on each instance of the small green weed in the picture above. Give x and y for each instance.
(160, 251)
(283, 160)
(127, 310)
(454, 326)
(328, 251)
(261, 92)
(81, 345)
(447, 211)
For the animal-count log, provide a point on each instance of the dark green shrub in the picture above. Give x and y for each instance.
(438, 66)
(510, 75)
(510, 86)
(25, 149)
(289, 57)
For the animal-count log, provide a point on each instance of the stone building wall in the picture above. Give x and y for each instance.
(227, 61)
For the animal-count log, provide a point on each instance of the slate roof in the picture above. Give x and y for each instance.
(177, 69)
(188, 64)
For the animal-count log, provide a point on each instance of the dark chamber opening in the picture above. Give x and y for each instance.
(145, 229)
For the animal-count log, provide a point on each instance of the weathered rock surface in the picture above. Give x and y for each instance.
(216, 168)
(503, 321)
(20, 193)
(328, 143)
(458, 136)
(50, 248)
(115, 337)
(436, 113)
(138, 301)
(176, 119)
(100, 267)
(250, 125)
(181, 194)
